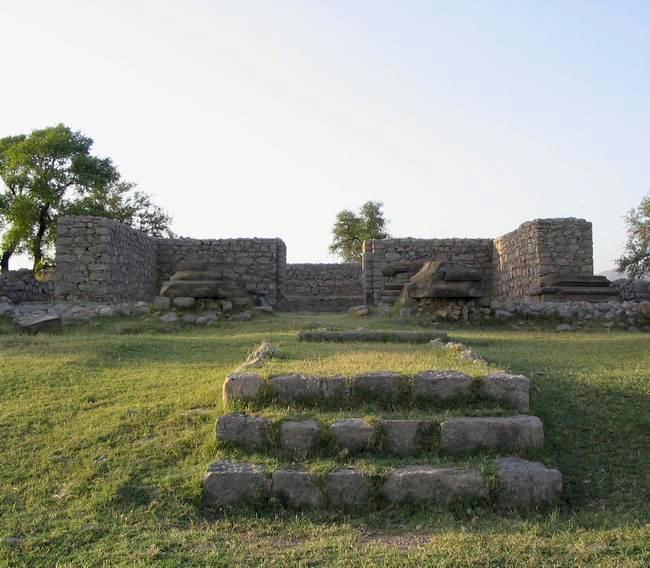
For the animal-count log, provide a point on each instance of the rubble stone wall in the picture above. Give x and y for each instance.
(542, 246)
(323, 287)
(21, 286)
(101, 260)
(475, 253)
(259, 264)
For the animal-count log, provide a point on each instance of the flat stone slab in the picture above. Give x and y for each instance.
(353, 434)
(441, 386)
(34, 324)
(422, 485)
(402, 437)
(299, 436)
(243, 387)
(230, 483)
(348, 488)
(504, 433)
(298, 489)
(397, 336)
(508, 390)
(243, 430)
(527, 484)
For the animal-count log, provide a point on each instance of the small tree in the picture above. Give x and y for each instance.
(52, 172)
(636, 260)
(351, 229)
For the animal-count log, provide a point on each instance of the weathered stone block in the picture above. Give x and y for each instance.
(299, 436)
(162, 303)
(243, 430)
(335, 389)
(244, 387)
(424, 485)
(228, 483)
(184, 302)
(353, 434)
(37, 323)
(383, 387)
(348, 488)
(525, 484)
(295, 388)
(298, 489)
(508, 390)
(401, 437)
(508, 432)
(441, 386)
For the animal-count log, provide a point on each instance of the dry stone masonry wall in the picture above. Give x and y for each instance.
(539, 247)
(21, 286)
(379, 255)
(103, 261)
(256, 263)
(323, 287)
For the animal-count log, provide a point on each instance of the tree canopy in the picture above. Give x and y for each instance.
(636, 258)
(52, 172)
(352, 228)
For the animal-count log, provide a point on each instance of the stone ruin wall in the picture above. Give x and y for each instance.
(258, 264)
(475, 253)
(21, 286)
(542, 246)
(323, 287)
(101, 260)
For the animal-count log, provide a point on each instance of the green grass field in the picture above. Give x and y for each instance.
(105, 439)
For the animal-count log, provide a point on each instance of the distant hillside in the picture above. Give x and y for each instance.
(614, 274)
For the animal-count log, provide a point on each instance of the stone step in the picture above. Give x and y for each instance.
(386, 389)
(320, 304)
(397, 437)
(519, 484)
(393, 336)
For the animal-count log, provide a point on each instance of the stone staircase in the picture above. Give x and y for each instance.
(419, 419)
(574, 288)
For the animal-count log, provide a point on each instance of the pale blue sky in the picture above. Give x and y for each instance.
(252, 118)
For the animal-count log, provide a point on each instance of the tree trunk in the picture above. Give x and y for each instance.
(4, 259)
(37, 249)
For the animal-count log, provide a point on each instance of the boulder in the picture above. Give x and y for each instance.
(348, 488)
(425, 485)
(299, 436)
(527, 484)
(298, 489)
(507, 433)
(359, 311)
(243, 430)
(353, 434)
(169, 317)
(37, 323)
(441, 386)
(227, 483)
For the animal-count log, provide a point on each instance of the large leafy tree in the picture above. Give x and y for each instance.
(52, 172)
(636, 259)
(352, 228)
